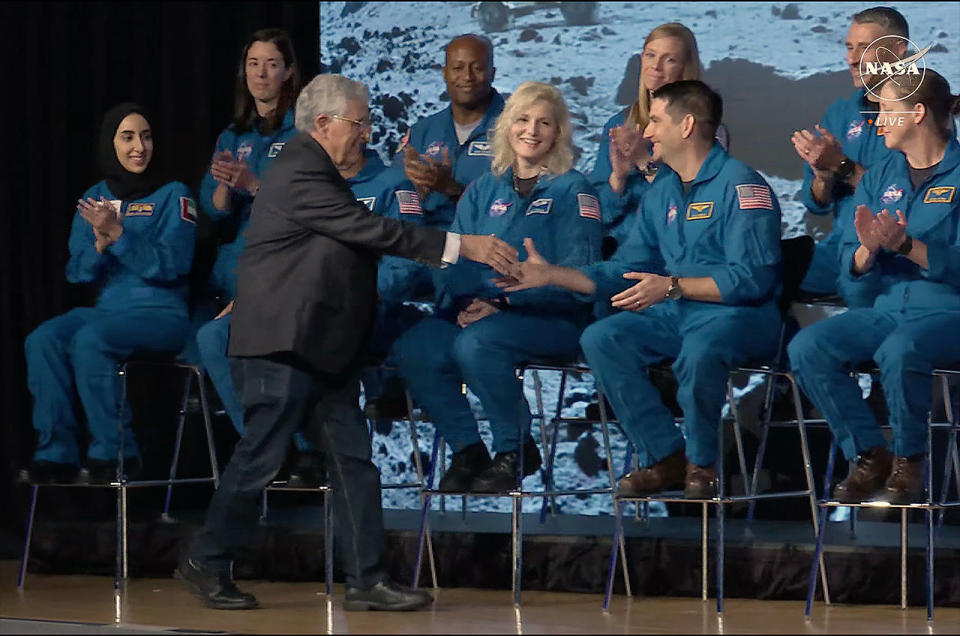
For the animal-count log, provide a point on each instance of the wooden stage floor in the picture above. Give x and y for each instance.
(160, 604)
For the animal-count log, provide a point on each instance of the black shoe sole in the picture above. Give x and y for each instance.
(368, 606)
(195, 589)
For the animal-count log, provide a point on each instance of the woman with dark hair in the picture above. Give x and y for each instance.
(133, 238)
(900, 274)
(268, 83)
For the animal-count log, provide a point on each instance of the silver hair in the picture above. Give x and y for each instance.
(327, 95)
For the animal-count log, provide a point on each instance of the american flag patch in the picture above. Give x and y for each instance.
(589, 206)
(754, 197)
(188, 210)
(409, 202)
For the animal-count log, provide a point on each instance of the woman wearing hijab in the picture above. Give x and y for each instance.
(132, 238)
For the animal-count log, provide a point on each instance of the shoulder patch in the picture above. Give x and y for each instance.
(368, 201)
(480, 149)
(939, 194)
(188, 210)
(700, 211)
(244, 151)
(409, 202)
(754, 196)
(589, 206)
(540, 206)
(892, 194)
(139, 209)
(275, 149)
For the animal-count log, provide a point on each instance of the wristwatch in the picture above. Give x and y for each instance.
(906, 246)
(845, 168)
(674, 292)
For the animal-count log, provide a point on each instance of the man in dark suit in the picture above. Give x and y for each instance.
(304, 309)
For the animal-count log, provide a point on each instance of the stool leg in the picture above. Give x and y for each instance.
(822, 516)
(704, 536)
(517, 532)
(903, 558)
(26, 542)
(617, 538)
(208, 427)
(425, 507)
(185, 396)
(738, 438)
(327, 540)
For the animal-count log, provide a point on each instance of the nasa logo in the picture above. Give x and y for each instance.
(892, 194)
(499, 207)
(890, 66)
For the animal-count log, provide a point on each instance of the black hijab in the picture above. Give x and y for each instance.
(125, 185)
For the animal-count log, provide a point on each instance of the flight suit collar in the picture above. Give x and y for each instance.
(493, 111)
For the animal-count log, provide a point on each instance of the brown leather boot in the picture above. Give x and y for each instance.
(700, 482)
(905, 483)
(868, 476)
(665, 474)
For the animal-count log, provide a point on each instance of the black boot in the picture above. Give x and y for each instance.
(99, 471)
(387, 596)
(308, 472)
(466, 465)
(213, 585)
(501, 475)
(44, 472)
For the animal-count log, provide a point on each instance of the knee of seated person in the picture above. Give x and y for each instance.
(211, 340)
(597, 337)
(471, 343)
(898, 351)
(43, 338)
(88, 342)
(415, 350)
(802, 351)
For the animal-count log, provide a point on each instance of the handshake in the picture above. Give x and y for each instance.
(516, 275)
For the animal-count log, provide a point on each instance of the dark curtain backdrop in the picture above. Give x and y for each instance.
(66, 63)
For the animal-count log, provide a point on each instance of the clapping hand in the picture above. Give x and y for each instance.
(823, 153)
(477, 309)
(232, 173)
(651, 289)
(428, 174)
(891, 232)
(868, 232)
(106, 221)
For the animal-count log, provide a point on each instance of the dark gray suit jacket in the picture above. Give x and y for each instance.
(307, 278)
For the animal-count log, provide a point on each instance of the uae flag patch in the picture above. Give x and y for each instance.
(188, 210)
(754, 197)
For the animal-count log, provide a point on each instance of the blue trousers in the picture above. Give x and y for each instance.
(905, 347)
(281, 395)
(436, 357)
(77, 354)
(212, 340)
(706, 342)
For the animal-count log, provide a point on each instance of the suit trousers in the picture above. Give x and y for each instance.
(280, 394)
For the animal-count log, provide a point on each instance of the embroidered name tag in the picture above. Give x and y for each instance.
(540, 206)
(140, 209)
(700, 211)
(480, 149)
(939, 194)
(368, 201)
(275, 149)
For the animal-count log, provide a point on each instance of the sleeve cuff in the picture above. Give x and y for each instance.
(120, 246)
(451, 249)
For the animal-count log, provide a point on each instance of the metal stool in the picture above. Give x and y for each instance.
(517, 496)
(951, 467)
(121, 483)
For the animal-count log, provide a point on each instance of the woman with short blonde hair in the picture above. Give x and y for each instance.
(560, 158)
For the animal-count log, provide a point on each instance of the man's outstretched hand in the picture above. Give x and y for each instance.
(533, 272)
(489, 250)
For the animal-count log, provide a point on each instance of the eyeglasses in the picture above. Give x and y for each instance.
(363, 124)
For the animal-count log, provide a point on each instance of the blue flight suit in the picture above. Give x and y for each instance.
(258, 151)
(906, 319)
(430, 136)
(616, 218)
(562, 216)
(727, 227)
(860, 141)
(141, 306)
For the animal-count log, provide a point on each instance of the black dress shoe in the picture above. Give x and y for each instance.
(44, 472)
(464, 467)
(214, 586)
(99, 471)
(386, 595)
(309, 471)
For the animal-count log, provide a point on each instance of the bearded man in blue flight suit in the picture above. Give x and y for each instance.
(706, 253)
(446, 151)
(900, 270)
(848, 143)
